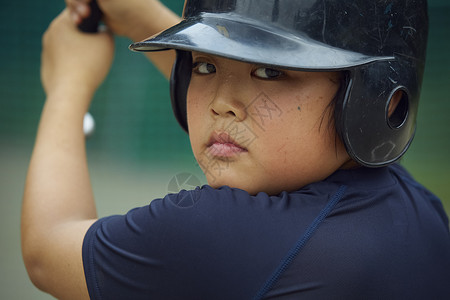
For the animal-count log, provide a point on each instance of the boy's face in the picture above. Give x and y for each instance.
(262, 129)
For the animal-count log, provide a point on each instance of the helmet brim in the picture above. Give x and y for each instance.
(231, 36)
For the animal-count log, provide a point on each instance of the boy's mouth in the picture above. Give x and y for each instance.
(223, 145)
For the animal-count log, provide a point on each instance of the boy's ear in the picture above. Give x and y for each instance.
(395, 100)
(398, 109)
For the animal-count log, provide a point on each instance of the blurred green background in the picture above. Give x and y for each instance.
(138, 148)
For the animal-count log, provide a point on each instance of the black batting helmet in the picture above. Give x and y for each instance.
(379, 44)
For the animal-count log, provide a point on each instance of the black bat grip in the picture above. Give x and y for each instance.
(90, 24)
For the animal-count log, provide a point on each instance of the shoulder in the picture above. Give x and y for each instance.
(382, 181)
(408, 181)
(192, 236)
(213, 211)
(391, 188)
(417, 192)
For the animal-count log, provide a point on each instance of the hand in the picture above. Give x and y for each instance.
(72, 59)
(135, 19)
(121, 17)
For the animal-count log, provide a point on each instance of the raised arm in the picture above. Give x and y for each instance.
(58, 204)
(135, 19)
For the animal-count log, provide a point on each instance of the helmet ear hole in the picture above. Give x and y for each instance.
(397, 108)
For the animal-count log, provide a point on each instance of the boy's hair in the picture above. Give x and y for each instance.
(380, 46)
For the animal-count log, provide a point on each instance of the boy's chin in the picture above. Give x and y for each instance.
(217, 182)
(250, 187)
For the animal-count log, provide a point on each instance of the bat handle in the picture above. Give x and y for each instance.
(90, 24)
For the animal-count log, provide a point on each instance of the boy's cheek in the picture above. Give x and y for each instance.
(263, 111)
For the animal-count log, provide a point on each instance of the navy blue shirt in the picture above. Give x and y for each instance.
(359, 234)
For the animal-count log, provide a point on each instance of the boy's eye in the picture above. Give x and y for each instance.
(267, 73)
(203, 68)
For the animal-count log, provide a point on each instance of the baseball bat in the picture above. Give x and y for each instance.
(90, 25)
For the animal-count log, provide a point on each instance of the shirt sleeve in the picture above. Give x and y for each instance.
(200, 244)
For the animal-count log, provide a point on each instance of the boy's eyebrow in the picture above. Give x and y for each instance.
(196, 55)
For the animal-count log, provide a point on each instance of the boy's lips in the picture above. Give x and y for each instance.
(223, 145)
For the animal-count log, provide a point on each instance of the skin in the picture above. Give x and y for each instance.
(284, 152)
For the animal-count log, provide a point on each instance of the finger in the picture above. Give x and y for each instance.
(77, 5)
(82, 9)
(75, 17)
(79, 10)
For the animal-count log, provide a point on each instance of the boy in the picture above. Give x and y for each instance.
(285, 113)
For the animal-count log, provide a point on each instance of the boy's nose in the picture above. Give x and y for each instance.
(230, 101)
(228, 108)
